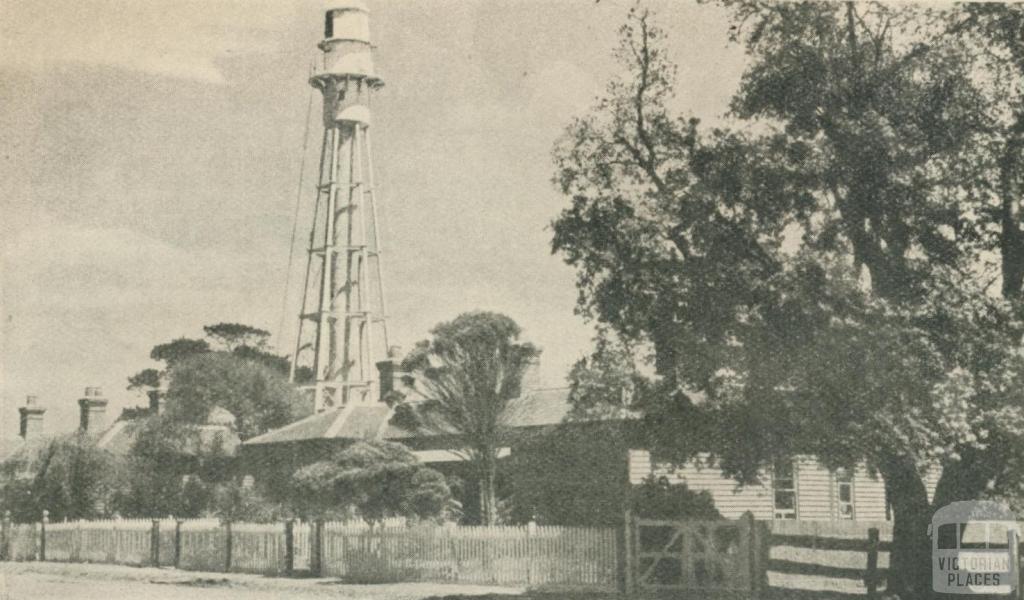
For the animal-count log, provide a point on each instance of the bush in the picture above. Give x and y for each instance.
(658, 499)
(67, 475)
(375, 479)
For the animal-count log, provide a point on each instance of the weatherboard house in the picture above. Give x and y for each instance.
(799, 489)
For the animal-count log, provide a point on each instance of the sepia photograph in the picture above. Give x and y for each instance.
(511, 299)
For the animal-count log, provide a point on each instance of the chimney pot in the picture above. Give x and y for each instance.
(92, 411)
(31, 423)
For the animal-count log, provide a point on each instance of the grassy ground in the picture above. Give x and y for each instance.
(59, 581)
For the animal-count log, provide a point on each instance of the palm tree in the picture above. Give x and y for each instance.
(467, 374)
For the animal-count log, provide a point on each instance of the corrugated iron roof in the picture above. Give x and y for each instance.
(308, 428)
(121, 436)
(10, 446)
(537, 408)
(352, 422)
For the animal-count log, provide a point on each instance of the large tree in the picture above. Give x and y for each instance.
(465, 378)
(816, 271)
(259, 398)
(244, 341)
(994, 35)
(171, 469)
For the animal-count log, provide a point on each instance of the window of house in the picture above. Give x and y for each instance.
(784, 490)
(844, 494)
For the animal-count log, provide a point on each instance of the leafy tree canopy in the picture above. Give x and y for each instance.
(259, 398)
(178, 350)
(818, 278)
(171, 470)
(467, 374)
(244, 341)
(572, 474)
(234, 335)
(144, 379)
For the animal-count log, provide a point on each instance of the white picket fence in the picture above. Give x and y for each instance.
(258, 548)
(389, 552)
(533, 556)
(121, 541)
(203, 545)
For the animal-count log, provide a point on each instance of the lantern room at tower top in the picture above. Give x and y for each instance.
(345, 72)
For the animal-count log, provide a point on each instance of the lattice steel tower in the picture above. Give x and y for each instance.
(343, 296)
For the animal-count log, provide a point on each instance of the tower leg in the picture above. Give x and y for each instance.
(350, 304)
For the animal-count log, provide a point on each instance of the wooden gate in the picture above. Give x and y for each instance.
(699, 558)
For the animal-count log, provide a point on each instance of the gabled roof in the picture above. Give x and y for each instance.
(120, 437)
(19, 454)
(536, 408)
(10, 446)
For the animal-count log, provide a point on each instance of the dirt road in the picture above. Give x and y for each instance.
(56, 581)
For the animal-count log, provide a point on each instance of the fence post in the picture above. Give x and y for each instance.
(289, 547)
(5, 536)
(177, 543)
(154, 543)
(624, 553)
(750, 523)
(531, 529)
(76, 542)
(117, 539)
(871, 577)
(227, 547)
(316, 551)
(42, 534)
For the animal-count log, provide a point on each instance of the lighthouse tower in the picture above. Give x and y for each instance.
(342, 332)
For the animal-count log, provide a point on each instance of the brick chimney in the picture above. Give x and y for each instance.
(92, 411)
(31, 419)
(157, 396)
(388, 374)
(387, 370)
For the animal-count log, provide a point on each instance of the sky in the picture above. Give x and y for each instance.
(151, 152)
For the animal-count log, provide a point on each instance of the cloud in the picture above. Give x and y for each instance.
(83, 305)
(172, 39)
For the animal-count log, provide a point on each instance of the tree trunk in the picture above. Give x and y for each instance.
(967, 478)
(910, 557)
(488, 498)
(1011, 239)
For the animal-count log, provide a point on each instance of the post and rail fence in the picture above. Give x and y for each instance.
(737, 558)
